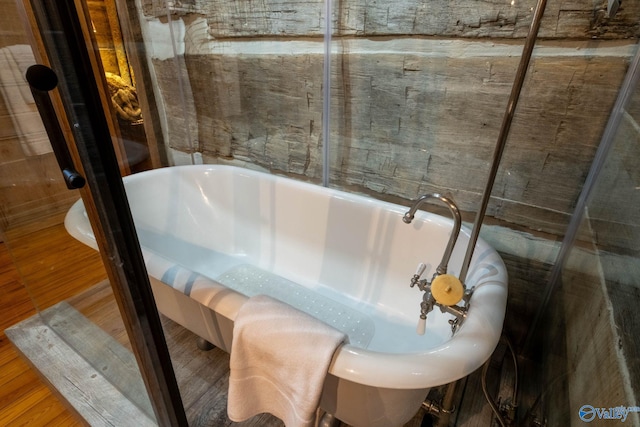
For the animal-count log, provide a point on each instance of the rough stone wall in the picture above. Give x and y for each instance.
(418, 94)
(613, 212)
(452, 18)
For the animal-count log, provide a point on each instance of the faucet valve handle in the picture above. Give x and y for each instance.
(422, 325)
(447, 289)
(419, 271)
(421, 268)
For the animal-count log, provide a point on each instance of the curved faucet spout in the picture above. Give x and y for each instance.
(457, 222)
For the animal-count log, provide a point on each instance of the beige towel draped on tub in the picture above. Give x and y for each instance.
(279, 359)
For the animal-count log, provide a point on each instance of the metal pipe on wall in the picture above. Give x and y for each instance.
(326, 92)
(504, 132)
(447, 403)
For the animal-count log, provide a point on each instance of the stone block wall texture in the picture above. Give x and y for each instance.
(419, 89)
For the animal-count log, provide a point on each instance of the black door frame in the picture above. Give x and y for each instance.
(59, 24)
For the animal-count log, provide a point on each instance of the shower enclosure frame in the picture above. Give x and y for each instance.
(109, 207)
(111, 213)
(64, 49)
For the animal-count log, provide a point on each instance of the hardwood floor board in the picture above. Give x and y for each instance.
(17, 384)
(211, 410)
(92, 390)
(8, 271)
(14, 373)
(19, 406)
(38, 408)
(15, 313)
(64, 419)
(196, 373)
(474, 410)
(24, 398)
(54, 266)
(15, 304)
(7, 356)
(44, 410)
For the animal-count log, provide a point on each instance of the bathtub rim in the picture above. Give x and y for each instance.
(416, 370)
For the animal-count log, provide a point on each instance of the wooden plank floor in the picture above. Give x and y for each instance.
(56, 267)
(82, 361)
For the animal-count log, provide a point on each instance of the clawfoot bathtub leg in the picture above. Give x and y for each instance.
(204, 345)
(326, 419)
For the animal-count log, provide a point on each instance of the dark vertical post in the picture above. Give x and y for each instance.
(68, 52)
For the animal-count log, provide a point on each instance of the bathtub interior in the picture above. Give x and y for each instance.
(350, 252)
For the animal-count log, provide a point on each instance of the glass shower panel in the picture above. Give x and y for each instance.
(33, 199)
(419, 94)
(66, 281)
(239, 82)
(135, 142)
(596, 352)
(236, 83)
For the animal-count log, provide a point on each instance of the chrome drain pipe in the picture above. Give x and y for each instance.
(442, 410)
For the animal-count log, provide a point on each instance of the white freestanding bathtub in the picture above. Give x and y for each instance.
(213, 235)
